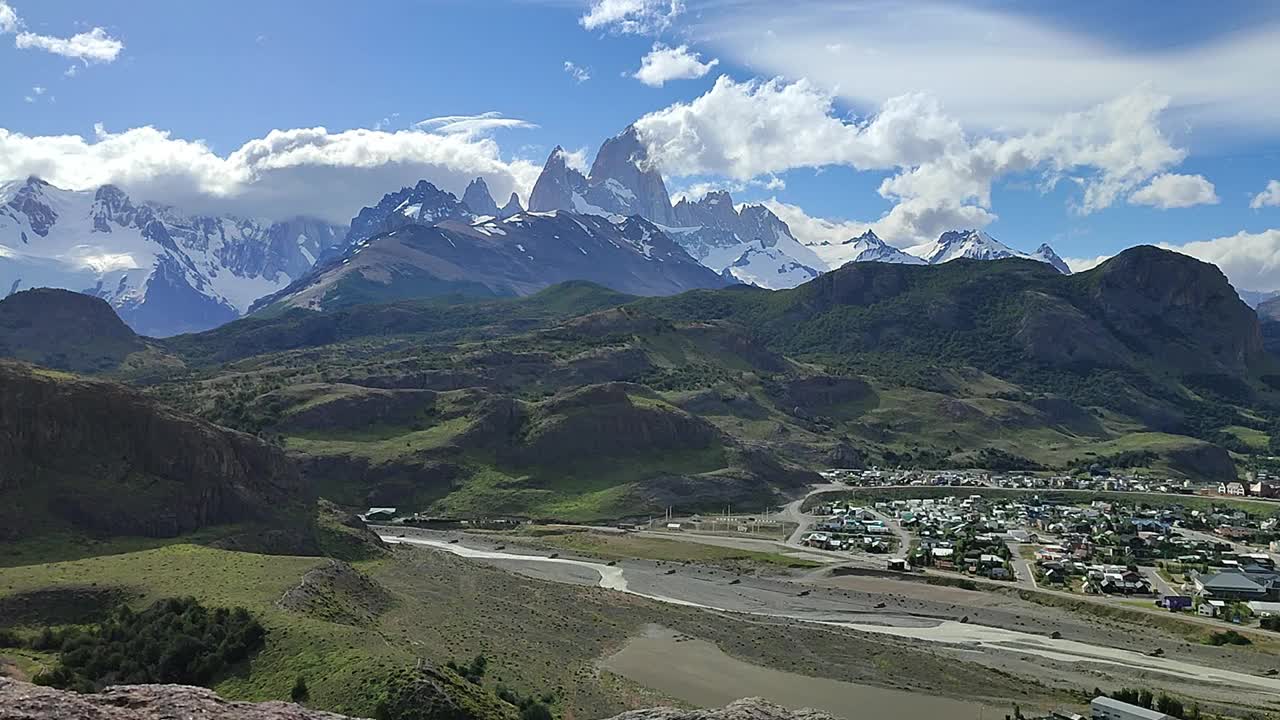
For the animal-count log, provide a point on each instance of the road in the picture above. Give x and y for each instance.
(1159, 584)
(792, 512)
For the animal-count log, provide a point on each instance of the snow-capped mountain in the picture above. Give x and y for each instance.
(623, 182)
(422, 204)
(768, 267)
(501, 257)
(719, 234)
(978, 245)
(867, 247)
(163, 271)
(1044, 253)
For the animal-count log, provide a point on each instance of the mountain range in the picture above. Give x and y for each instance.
(578, 402)
(167, 272)
(163, 271)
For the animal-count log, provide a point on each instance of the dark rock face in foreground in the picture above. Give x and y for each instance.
(23, 701)
(104, 458)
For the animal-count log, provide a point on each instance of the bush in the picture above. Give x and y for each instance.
(299, 693)
(1229, 637)
(173, 641)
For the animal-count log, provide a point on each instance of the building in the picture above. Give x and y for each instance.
(1239, 585)
(379, 514)
(1105, 708)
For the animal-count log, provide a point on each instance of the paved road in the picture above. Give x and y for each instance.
(1024, 572)
(791, 512)
(1159, 584)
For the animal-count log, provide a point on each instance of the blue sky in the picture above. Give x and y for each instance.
(1086, 98)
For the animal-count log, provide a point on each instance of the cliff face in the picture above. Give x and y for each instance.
(101, 457)
(1149, 295)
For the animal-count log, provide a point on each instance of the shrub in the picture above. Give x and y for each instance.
(299, 693)
(1229, 637)
(173, 641)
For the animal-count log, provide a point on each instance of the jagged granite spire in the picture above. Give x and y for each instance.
(478, 199)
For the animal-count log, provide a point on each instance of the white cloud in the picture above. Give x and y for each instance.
(697, 190)
(577, 72)
(95, 46)
(1170, 190)
(1030, 71)
(943, 179)
(638, 17)
(9, 21)
(38, 90)
(472, 124)
(576, 159)
(664, 64)
(307, 171)
(814, 230)
(1270, 196)
(1250, 260)
(1082, 264)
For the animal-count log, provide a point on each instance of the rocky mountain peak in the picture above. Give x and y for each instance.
(625, 180)
(478, 198)
(558, 187)
(868, 238)
(1046, 254)
(512, 208)
(422, 204)
(30, 200)
(111, 203)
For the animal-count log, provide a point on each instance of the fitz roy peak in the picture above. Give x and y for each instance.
(752, 244)
(164, 272)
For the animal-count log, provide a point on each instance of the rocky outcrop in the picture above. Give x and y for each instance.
(338, 593)
(23, 701)
(104, 458)
(745, 709)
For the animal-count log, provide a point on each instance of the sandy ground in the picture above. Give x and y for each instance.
(699, 673)
(992, 629)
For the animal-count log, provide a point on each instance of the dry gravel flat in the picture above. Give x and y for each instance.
(995, 630)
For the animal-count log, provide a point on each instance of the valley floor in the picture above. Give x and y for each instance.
(989, 632)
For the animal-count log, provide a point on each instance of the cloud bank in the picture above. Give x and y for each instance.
(286, 173)
(942, 177)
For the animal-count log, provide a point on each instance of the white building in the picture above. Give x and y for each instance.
(1105, 708)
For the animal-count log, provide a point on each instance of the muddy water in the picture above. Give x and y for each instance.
(697, 672)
